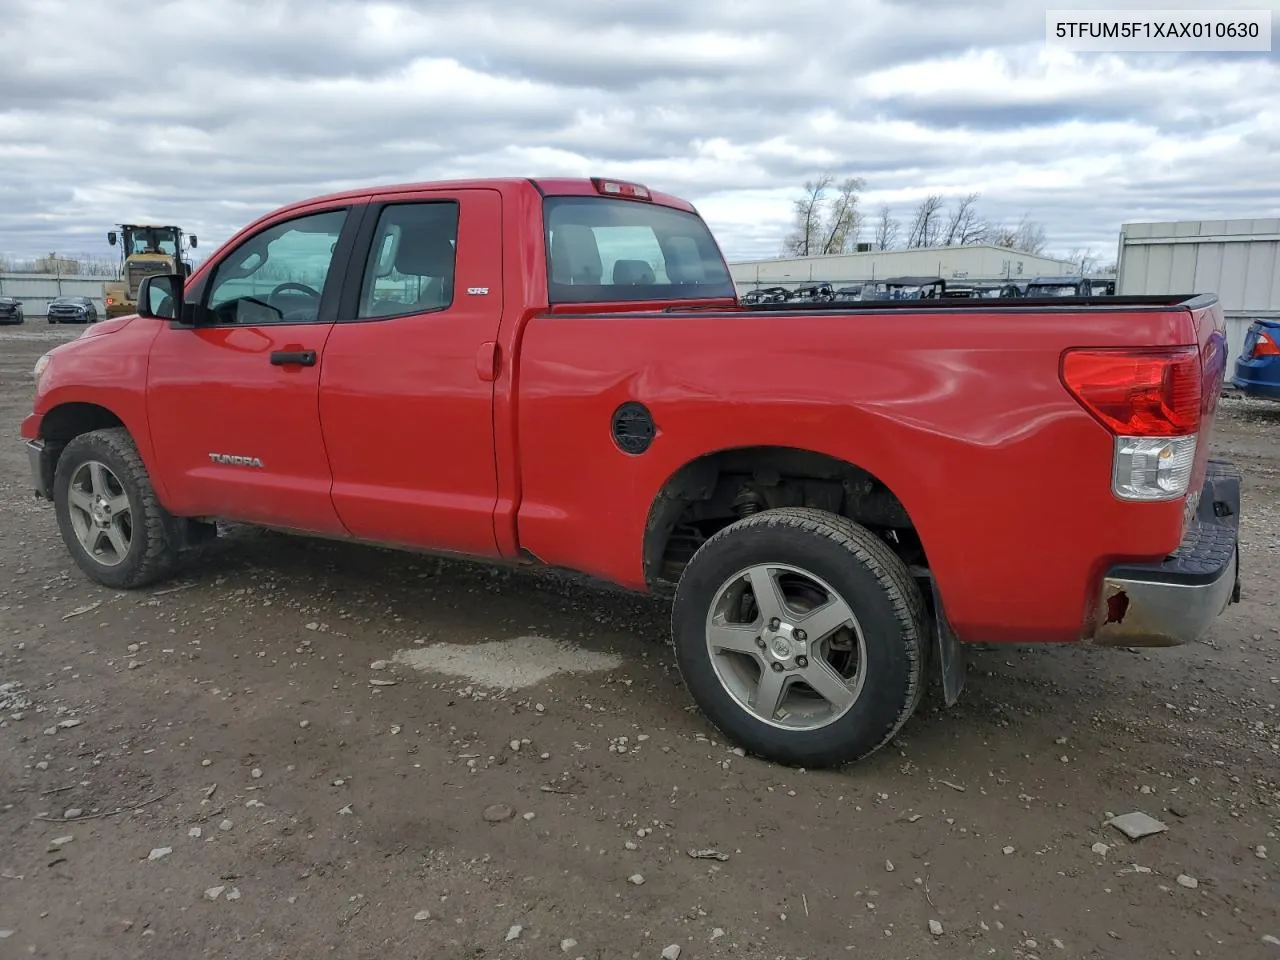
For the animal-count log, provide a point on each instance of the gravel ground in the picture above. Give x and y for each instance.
(291, 751)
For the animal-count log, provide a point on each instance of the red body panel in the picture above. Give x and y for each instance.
(407, 405)
(216, 391)
(961, 414)
(484, 428)
(106, 367)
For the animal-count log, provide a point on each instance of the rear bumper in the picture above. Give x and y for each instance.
(1177, 600)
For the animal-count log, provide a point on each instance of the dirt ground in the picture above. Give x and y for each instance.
(290, 751)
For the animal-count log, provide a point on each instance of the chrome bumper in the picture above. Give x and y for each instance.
(1177, 600)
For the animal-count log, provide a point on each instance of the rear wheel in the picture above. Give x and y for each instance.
(110, 518)
(800, 634)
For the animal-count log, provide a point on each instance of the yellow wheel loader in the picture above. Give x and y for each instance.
(145, 249)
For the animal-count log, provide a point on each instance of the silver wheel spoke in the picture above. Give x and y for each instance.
(85, 531)
(80, 500)
(769, 599)
(95, 539)
(769, 692)
(828, 684)
(826, 619)
(118, 540)
(98, 479)
(118, 505)
(740, 638)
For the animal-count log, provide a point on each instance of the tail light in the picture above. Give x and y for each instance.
(1150, 401)
(1265, 346)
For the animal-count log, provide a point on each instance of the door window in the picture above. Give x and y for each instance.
(278, 275)
(411, 263)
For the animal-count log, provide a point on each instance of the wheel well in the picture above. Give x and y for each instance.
(717, 489)
(67, 421)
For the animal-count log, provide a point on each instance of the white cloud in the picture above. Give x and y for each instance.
(215, 111)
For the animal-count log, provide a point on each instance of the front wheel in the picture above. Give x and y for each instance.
(800, 634)
(110, 518)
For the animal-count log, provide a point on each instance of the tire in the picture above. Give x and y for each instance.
(151, 536)
(819, 558)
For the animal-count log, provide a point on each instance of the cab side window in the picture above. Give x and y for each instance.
(411, 263)
(278, 275)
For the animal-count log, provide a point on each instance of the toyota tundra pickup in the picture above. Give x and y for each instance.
(838, 497)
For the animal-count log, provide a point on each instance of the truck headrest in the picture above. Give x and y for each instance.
(575, 258)
(425, 251)
(632, 272)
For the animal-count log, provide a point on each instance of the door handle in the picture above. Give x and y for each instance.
(305, 358)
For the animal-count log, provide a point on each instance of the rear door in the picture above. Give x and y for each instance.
(406, 392)
(232, 401)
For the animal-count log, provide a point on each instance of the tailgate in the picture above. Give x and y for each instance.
(1211, 335)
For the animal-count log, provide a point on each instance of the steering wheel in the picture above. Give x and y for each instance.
(293, 286)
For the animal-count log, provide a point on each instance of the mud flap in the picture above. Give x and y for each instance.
(951, 653)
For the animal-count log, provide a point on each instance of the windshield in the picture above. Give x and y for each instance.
(602, 249)
(151, 240)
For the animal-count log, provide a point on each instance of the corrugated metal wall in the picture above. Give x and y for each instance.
(1239, 260)
(35, 290)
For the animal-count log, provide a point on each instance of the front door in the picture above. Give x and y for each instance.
(232, 401)
(406, 396)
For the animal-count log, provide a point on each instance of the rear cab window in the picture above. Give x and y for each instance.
(601, 249)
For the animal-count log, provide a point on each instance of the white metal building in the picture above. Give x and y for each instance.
(977, 262)
(1239, 260)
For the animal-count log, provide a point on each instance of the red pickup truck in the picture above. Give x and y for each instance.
(559, 372)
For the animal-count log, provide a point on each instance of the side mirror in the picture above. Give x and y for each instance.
(160, 296)
(111, 237)
(193, 241)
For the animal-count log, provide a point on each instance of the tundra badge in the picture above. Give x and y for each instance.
(235, 461)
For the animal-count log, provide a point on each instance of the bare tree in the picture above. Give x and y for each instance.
(843, 218)
(806, 234)
(1026, 236)
(926, 225)
(965, 226)
(1084, 259)
(886, 230)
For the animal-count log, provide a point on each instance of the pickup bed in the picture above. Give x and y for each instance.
(838, 496)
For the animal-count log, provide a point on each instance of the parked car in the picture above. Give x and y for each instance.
(839, 498)
(11, 310)
(1258, 366)
(72, 310)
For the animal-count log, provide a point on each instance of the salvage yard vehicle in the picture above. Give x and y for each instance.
(558, 372)
(71, 310)
(1071, 287)
(1257, 371)
(905, 288)
(11, 310)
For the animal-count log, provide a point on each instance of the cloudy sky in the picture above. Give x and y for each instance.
(207, 113)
